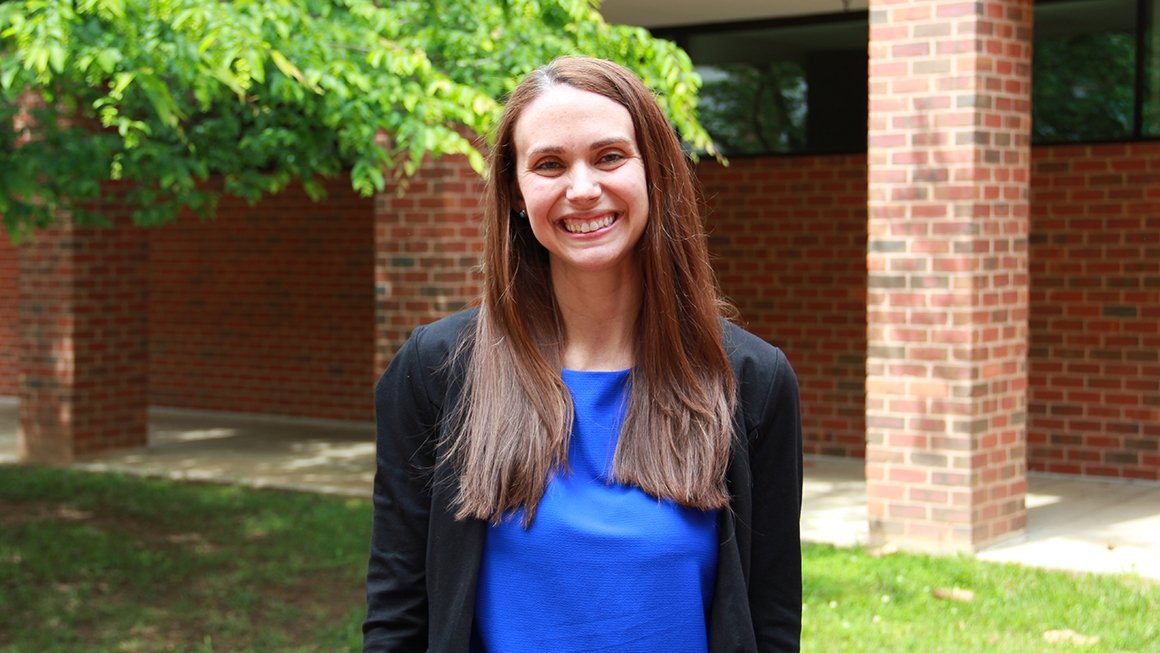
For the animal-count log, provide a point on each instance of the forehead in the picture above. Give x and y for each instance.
(566, 117)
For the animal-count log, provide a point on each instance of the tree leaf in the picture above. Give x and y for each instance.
(185, 89)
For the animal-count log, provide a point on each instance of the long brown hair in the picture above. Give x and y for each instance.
(512, 426)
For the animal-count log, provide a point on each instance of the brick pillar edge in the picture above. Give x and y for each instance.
(427, 251)
(948, 168)
(84, 348)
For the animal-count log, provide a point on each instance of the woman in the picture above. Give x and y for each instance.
(593, 459)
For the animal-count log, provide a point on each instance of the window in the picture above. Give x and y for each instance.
(791, 87)
(799, 85)
(1084, 71)
(1151, 74)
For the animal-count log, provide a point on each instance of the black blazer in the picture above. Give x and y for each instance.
(424, 563)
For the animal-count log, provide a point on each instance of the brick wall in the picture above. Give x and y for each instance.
(10, 271)
(1095, 319)
(266, 309)
(9, 320)
(427, 251)
(948, 170)
(788, 236)
(83, 341)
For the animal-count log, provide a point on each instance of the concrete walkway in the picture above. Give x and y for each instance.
(1077, 524)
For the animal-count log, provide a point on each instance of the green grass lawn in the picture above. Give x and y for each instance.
(101, 562)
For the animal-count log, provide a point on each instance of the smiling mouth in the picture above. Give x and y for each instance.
(588, 226)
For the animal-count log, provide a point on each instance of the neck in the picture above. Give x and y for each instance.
(599, 313)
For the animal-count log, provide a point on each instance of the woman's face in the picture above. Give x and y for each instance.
(580, 177)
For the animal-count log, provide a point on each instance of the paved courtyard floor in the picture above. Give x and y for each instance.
(1094, 525)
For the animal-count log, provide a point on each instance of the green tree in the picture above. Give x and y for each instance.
(188, 99)
(1084, 87)
(756, 108)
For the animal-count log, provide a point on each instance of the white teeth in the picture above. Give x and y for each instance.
(585, 226)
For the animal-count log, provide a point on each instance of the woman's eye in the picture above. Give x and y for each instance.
(612, 157)
(548, 166)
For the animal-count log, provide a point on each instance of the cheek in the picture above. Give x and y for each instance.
(636, 185)
(538, 196)
(537, 202)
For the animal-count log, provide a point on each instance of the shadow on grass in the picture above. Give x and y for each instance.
(100, 562)
(105, 562)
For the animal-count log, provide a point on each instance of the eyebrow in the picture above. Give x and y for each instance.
(596, 145)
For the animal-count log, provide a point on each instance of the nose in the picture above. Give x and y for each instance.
(582, 184)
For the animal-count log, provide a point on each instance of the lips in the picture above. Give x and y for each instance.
(588, 225)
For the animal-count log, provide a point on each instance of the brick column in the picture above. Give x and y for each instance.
(427, 250)
(84, 348)
(9, 318)
(948, 167)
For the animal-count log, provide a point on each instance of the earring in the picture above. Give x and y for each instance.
(522, 214)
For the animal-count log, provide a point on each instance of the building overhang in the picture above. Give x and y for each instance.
(666, 13)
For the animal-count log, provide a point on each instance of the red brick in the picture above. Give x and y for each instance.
(266, 308)
(435, 273)
(976, 269)
(1090, 345)
(82, 339)
(9, 318)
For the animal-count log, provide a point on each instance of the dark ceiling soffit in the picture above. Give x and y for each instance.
(676, 32)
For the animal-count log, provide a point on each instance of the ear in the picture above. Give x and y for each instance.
(518, 203)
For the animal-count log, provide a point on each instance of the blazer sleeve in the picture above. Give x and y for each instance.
(406, 420)
(775, 587)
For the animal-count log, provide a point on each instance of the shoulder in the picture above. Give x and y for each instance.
(436, 341)
(764, 374)
(751, 356)
(426, 362)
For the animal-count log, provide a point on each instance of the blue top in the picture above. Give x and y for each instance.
(604, 567)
